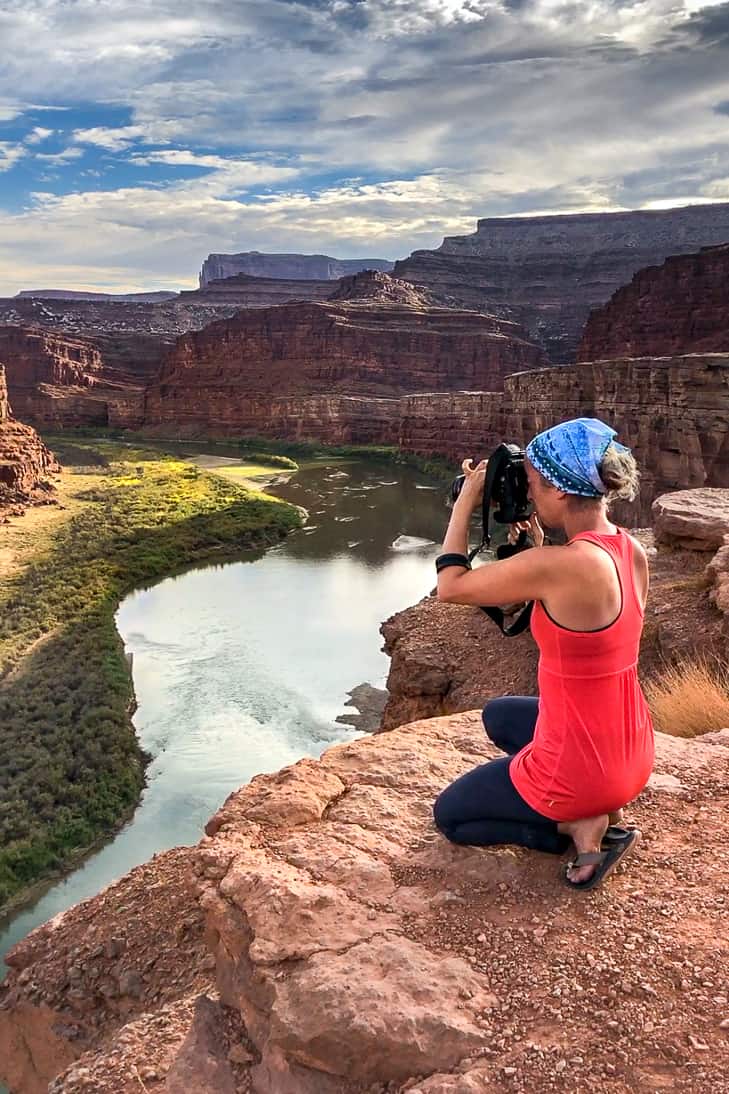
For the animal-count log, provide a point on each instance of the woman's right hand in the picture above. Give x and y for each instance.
(532, 527)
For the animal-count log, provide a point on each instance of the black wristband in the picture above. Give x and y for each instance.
(443, 561)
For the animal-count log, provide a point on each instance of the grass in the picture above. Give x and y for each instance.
(689, 699)
(72, 767)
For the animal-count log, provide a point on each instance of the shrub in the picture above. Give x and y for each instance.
(689, 699)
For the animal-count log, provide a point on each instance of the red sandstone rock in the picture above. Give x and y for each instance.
(235, 376)
(25, 462)
(679, 307)
(470, 966)
(694, 519)
(58, 380)
(547, 272)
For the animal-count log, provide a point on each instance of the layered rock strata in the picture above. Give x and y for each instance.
(260, 371)
(548, 272)
(245, 291)
(672, 411)
(359, 951)
(286, 266)
(25, 462)
(679, 307)
(58, 380)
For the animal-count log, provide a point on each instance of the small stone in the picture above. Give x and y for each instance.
(724, 1024)
(239, 1054)
(508, 1071)
(697, 1044)
(130, 983)
(560, 1065)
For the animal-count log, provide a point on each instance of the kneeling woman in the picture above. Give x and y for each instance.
(584, 748)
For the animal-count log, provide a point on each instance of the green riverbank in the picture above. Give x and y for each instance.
(127, 517)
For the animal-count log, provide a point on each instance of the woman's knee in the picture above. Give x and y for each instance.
(494, 716)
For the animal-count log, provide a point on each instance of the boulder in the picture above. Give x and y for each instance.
(693, 519)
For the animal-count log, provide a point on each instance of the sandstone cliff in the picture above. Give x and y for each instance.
(548, 272)
(245, 291)
(260, 371)
(25, 462)
(58, 380)
(287, 266)
(672, 411)
(347, 947)
(679, 307)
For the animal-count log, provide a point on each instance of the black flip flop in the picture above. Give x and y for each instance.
(616, 843)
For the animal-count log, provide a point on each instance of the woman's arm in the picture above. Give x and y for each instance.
(525, 576)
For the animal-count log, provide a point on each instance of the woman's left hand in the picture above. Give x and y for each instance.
(472, 490)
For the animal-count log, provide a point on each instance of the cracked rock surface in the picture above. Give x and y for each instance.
(323, 938)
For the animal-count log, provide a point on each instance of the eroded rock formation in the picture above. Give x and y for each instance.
(111, 298)
(287, 266)
(548, 272)
(272, 370)
(245, 291)
(25, 462)
(353, 949)
(672, 411)
(679, 307)
(57, 380)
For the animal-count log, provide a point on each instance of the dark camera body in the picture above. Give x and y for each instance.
(506, 488)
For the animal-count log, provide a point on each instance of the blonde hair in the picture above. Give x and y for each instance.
(619, 472)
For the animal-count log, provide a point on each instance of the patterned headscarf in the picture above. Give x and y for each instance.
(569, 455)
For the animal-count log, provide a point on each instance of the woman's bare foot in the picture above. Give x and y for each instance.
(587, 836)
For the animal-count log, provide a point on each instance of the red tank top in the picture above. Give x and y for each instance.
(592, 750)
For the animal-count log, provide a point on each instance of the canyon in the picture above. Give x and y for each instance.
(681, 306)
(26, 464)
(547, 272)
(260, 371)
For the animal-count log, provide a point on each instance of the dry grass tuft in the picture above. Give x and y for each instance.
(689, 699)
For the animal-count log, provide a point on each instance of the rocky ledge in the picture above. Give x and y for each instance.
(25, 462)
(348, 948)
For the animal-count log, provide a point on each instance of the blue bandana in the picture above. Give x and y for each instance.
(569, 455)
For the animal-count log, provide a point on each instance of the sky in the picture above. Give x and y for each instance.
(137, 136)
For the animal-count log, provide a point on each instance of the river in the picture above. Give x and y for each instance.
(242, 668)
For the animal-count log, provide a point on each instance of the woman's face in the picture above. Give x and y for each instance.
(547, 500)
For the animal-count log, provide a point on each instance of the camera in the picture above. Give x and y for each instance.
(506, 487)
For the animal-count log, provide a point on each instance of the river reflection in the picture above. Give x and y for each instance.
(243, 668)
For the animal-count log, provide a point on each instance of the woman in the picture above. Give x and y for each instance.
(584, 748)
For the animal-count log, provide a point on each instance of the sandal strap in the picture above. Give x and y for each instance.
(588, 858)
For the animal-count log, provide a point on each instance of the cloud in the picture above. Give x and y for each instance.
(68, 155)
(38, 134)
(444, 110)
(10, 153)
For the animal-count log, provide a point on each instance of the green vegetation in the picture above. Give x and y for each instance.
(72, 767)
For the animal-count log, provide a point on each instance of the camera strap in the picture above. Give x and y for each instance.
(522, 620)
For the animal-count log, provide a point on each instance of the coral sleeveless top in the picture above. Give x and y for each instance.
(592, 750)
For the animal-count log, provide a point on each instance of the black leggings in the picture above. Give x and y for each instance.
(483, 807)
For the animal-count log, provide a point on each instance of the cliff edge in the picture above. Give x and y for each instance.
(347, 947)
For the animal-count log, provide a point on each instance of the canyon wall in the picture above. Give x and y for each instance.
(672, 411)
(238, 376)
(290, 266)
(245, 291)
(679, 307)
(25, 462)
(57, 380)
(548, 272)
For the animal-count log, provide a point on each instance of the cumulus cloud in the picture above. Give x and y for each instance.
(68, 155)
